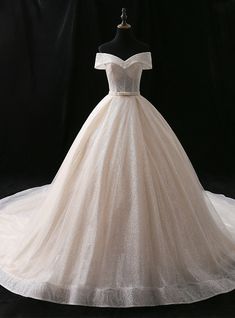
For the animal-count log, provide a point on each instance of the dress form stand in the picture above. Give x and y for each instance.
(124, 44)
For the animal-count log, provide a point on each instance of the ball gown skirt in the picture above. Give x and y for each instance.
(125, 221)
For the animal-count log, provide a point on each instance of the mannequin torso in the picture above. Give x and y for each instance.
(124, 43)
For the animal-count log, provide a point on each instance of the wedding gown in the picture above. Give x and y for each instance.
(125, 221)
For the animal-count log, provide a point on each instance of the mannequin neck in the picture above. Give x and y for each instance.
(125, 36)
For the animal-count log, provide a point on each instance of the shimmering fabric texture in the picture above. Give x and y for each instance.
(125, 221)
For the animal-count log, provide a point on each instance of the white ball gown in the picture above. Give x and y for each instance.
(125, 221)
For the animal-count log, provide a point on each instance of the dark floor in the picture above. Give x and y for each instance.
(15, 306)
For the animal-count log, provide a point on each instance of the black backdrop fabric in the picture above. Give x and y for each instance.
(48, 84)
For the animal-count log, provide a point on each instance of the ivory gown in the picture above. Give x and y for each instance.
(125, 221)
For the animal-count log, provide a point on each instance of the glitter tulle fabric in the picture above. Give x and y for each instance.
(125, 221)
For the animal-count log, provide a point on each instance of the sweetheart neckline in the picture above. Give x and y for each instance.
(119, 58)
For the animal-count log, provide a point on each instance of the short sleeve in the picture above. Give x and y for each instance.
(99, 62)
(147, 61)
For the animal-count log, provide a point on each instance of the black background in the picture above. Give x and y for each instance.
(48, 84)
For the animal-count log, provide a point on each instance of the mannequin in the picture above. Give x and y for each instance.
(124, 44)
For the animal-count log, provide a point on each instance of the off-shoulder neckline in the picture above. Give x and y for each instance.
(126, 60)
